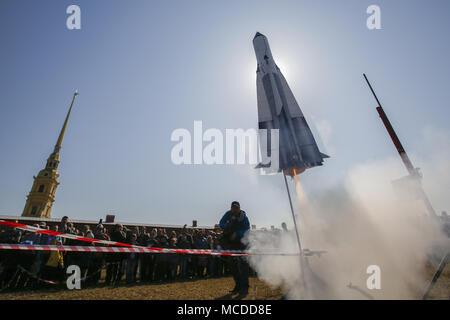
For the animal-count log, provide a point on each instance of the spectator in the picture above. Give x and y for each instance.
(183, 243)
(10, 258)
(202, 260)
(131, 261)
(87, 232)
(162, 261)
(54, 267)
(97, 258)
(218, 259)
(173, 260)
(114, 271)
(144, 258)
(63, 226)
(153, 242)
(211, 259)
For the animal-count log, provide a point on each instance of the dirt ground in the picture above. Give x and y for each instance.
(208, 289)
(441, 290)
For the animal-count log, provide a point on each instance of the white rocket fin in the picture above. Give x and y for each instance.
(294, 108)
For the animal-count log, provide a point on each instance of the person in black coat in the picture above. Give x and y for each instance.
(114, 270)
(235, 225)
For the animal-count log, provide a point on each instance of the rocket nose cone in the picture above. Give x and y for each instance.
(261, 46)
(258, 34)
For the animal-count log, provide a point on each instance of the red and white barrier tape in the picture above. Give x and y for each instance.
(109, 249)
(119, 247)
(119, 244)
(41, 247)
(60, 234)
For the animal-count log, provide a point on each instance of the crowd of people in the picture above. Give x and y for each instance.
(31, 269)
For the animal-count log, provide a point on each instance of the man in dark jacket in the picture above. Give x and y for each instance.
(97, 258)
(10, 258)
(201, 261)
(144, 258)
(184, 243)
(114, 270)
(235, 224)
(152, 242)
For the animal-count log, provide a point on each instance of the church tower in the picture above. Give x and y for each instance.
(42, 195)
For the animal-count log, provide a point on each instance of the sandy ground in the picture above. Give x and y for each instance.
(441, 290)
(208, 289)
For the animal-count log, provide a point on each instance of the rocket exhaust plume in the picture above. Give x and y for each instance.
(300, 193)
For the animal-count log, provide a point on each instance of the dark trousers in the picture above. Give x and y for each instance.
(132, 262)
(114, 272)
(239, 270)
(146, 267)
(162, 267)
(53, 273)
(162, 270)
(151, 266)
(25, 261)
(93, 271)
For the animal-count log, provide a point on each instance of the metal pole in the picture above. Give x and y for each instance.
(401, 151)
(441, 267)
(302, 271)
(398, 145)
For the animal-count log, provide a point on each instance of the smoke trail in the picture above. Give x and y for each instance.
(362, 222)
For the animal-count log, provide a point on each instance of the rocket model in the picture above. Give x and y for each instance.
(278, 109)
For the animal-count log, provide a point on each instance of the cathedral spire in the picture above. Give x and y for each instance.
(63, 130)
(42, 195)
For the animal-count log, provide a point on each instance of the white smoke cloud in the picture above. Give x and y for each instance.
(360, 223)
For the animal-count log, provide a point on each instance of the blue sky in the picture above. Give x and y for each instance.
(146, 68)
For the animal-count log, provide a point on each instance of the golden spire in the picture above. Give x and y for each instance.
(63, 130)
(42, 194)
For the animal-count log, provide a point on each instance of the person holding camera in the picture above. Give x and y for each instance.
(235, 224)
